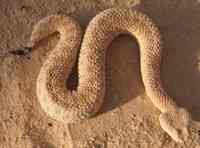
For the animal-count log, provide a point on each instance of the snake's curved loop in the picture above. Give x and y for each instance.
(72, 106)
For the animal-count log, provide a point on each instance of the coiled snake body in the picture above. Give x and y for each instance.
(72, 106)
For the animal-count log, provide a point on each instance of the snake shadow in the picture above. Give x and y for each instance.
(179, 24)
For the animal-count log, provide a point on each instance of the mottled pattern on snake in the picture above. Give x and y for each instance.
(72, 106)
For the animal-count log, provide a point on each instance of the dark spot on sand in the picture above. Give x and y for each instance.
(50, 124)
(24, 8)
(134, 115)
(59, 12)
(21, 51)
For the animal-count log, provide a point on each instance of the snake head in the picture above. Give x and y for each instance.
(176, 123)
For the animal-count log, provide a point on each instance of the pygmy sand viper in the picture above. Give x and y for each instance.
(72, 106)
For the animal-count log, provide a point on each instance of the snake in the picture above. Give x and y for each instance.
(72, 106)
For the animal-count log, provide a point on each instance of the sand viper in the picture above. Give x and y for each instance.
(72, 106)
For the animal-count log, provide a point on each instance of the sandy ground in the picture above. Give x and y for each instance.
(127, 118)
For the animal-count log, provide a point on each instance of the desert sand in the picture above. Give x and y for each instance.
(127, 118)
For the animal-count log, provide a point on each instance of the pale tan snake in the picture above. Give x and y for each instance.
(72, 106)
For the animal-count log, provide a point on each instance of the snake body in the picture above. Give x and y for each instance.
(72, 106)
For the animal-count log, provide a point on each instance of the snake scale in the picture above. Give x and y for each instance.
(71, 106)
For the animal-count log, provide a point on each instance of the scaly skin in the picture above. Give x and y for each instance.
(72, 106)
